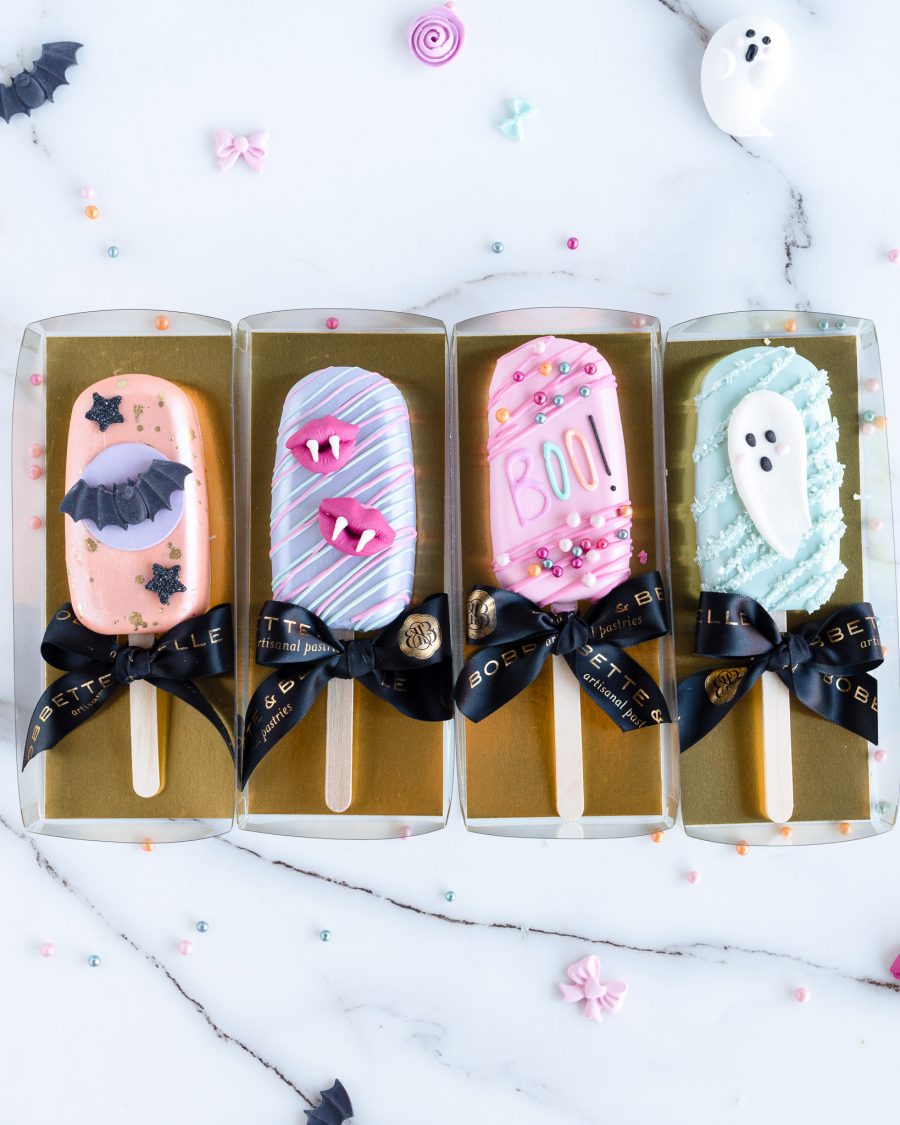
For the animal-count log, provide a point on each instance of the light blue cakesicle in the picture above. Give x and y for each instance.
(767, 481)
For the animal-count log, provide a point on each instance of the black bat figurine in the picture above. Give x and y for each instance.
(31, 88)
(334, 1109)
(130, 502)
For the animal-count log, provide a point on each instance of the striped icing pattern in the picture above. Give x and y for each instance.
(347, 592)
(559, 497)
(731, 553)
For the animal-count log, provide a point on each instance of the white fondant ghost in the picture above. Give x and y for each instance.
(767, 451)
(744, 63)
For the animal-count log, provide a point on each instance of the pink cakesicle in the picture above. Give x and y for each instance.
(136, 528)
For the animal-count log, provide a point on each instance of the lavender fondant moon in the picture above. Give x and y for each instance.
(560, 506)
(343, 523)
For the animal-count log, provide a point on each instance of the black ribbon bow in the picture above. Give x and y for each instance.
(97, 667)
(408, 664)
(824, 663)
(517, 637)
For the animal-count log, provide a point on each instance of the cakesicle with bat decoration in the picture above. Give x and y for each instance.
(343, 524)
(136, 527)
(560, 510)
(767, 508)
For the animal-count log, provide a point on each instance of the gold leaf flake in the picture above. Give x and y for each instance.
(138, 411)
(91, 544)
(137, 621)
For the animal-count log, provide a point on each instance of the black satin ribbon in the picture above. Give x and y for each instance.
(408, 664)
(824, 663)
(97, 666)
(517, 636)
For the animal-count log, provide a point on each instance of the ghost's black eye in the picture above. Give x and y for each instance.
(765, 464)
(767, 40)
(750, 440)
(770, 437)
(750, 32)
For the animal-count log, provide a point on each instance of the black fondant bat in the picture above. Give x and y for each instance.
(334, 1109)
(31, 88)
(130, 502)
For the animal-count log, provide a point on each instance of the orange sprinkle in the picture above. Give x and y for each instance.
(742, 849)
(502, 414)
(534, 571)
(881, 422)
(162, 323)
(147, 845)
(545, 368)
(790, 326)
(845, 828)
(92, 212)
(786, 831)
(656, 837)
(626, 510)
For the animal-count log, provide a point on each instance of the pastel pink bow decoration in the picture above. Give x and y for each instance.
(229, 149)
(586, 985)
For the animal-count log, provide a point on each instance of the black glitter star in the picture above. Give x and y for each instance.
(105, 411)
(164, 582)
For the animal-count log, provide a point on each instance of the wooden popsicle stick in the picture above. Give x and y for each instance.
(146, 777)
(778, 772)
(339, 739)
(567, 741)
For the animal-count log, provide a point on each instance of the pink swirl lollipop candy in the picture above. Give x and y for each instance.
(437, 35)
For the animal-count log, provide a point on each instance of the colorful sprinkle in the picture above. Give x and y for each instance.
(642, 558)
(589, 579)
(35, 472)
(626, 511)
(573, 519)
(823, 326)
(162, 323)
(450, 896)
(565, 368)
(518, 376)
(534, 571)
(92, 212)
(577, 563)
(185, 947)
(790, 326)
(572, 243)
(845, 828)
(880, 755)
(558, 400)
(881, 422)
(577, 551)
(502, 415)
(876, 524)
(598, 521)
(34, 522)
(325, 935)
(895, 968)
(585, 544)
(540, 347)
(36, 380)
(47, 949)
(656, 837)
(540, 398)
(621, 533)
(872, 384)
(112, 251)
(801, 995)
(585, 392)
(868, 416)
(557, 572)
(894, 256)
(202, 927)
(693, 877)
(742, 849)
(540, 418)
(94, 961)
(497, 247)
(546, 368)
(565, 544)
(840, 325)
(547, 564)
(147, 845)
(35, 450)
(590, 369)
(543, 553)
(786, 831)
(602, 544)
(87, 192)
(332, 322)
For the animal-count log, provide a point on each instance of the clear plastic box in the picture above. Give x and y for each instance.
(402, 768)
(507, 762)
(82, 787)
(841, 790)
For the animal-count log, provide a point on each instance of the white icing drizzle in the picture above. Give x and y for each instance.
(718, 494)
(784, 588)
(815, 592)
(780, 358)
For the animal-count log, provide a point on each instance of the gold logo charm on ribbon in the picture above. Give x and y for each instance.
(481, 615)
(420, 636)
(722, 685)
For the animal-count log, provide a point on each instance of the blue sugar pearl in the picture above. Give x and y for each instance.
(497, 247)
(113, 251)
(540, 418)
(824, 325)
(565, 368)
(558, 400)
(868, 415)
(577, 552)
(622, 534)
(450, 896)
(325, 935)
(202, 927)
(840, 325)
(585, 392)
(93, 960)
(547, 564)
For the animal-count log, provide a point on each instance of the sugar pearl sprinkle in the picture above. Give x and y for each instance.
(572, 243)
(801, 995)
(202, 927)
(332, 322)
(497, 247)
(693, 877)
(47, 949)
(185, 947)
(94, 961)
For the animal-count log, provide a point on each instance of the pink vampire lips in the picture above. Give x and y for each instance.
(324, 444)
(354, 529)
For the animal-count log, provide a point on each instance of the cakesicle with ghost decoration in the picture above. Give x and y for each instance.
(343, 523)
(560, 510)
(767, 509)
(136, 528)
(744, 64)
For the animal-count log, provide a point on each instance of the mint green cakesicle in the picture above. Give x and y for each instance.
(767, 481)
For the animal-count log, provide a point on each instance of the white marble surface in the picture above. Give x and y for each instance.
(386, 184)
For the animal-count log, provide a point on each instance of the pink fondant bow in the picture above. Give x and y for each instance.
(229, 149)
(586, 985)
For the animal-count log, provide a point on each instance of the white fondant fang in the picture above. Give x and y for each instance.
(313, 446)
(365, 537)
(335, 442)
(339, 524)
(744, 64)
(767, 452)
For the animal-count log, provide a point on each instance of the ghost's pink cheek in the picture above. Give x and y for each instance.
(739, 458)
(782, 449)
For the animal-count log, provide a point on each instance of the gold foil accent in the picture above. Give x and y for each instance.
(91, 544)
(136, 620)
(722, 685)
(420, 636)
(481, 615)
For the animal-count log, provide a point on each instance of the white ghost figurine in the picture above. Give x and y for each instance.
(767, 452)
(744, 64)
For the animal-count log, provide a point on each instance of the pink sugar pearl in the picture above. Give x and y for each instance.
(801, 995)
(894, 256)
(693, 877)
(876, 524)
(35, 450)
(332, 322)
(872, 384)
(880, 755)
(35, 472)
(87, 192)
(36, 380)
(48, 949)
(34, 522)
(572, 243)
(185, 947)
